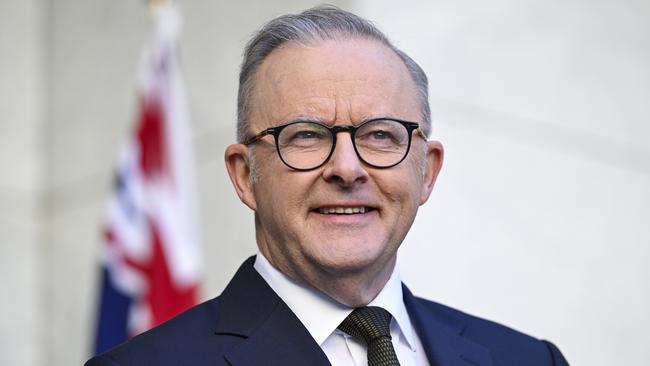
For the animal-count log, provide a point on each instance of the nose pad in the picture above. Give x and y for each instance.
(344, 166)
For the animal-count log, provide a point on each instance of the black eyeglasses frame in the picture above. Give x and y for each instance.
(334, 130)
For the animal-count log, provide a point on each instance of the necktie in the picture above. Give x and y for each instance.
(371, 324)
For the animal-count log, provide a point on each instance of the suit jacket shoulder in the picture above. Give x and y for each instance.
(451, 335)
(190, 333)
(248, 324)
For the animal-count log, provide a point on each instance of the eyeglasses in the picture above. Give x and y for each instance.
(305, 145)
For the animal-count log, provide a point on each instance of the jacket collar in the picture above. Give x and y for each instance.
(272, 334)
(442, 337)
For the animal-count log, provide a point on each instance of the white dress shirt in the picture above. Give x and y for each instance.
(321, 315)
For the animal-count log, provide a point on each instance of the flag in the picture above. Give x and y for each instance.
(150, 256)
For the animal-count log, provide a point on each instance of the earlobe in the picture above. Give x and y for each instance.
(238, 166)
(434, 157)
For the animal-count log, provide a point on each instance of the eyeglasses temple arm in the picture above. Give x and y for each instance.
(256, 138)
(421, 134)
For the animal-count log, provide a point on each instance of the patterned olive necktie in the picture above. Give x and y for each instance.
(371, 324)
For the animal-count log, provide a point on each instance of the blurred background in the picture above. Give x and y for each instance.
(540, 218)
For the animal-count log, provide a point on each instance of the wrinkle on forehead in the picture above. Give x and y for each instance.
(333, 81)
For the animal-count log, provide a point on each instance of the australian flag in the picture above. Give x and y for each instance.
(150, 257)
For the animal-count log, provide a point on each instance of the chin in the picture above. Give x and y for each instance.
(349, 258)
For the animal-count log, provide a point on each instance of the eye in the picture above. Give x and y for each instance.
(380, 134)
(377, 134)
(306, 134)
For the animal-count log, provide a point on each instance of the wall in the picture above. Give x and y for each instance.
(23, 105)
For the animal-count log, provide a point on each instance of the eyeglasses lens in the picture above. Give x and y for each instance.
(382, 143)
(304, 145)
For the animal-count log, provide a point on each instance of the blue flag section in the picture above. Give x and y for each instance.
(112, 317)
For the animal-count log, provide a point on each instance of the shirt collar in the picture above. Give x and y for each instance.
(392, 299)
(320, 314)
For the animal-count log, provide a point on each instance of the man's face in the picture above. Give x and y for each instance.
(335, 82)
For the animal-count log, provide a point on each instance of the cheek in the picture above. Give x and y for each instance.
(416, 169)
(281, 195)
(401, 185)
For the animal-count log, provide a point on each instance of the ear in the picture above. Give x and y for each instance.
(238, 166)
(434, 157)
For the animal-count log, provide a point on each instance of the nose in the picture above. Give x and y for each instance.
(344, 166)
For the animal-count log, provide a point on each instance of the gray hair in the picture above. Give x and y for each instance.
(316, 24)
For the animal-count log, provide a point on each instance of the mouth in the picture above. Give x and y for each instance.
(340, 210)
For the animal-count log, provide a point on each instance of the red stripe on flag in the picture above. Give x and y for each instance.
(151, 138)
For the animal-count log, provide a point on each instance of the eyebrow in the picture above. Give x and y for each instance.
(306, 118)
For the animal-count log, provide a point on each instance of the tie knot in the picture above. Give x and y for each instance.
(367, 323)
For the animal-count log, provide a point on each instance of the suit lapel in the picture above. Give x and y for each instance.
(442, 339)
(271, 333)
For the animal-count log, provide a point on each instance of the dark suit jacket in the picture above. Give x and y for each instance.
(250, 325)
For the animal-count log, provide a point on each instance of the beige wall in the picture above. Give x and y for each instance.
(539, 219)
(23, 105)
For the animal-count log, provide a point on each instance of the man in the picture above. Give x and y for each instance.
(334, 160)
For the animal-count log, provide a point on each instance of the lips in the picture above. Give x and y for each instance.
(343, 210)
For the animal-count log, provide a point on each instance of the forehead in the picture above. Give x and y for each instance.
(336, 81)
